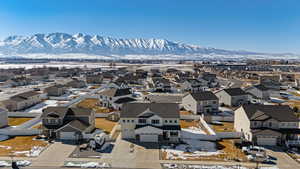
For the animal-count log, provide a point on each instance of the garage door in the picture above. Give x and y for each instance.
(271, 141)
(149, 138)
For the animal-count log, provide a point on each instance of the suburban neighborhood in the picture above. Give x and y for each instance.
(153, 115)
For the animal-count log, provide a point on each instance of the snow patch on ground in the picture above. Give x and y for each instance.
(86, 164)
(5, 147)
(192, 147)
(34, 152)
(21, 163)
(195, 166)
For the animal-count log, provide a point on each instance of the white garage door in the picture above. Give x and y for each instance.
(271, 141)
(149, 138)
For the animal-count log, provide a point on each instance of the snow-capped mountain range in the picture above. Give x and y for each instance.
(62, 44)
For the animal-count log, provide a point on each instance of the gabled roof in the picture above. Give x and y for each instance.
(282, 113)
(206, 95)
(164, 98)
(113, 92)
(74, 125)
(24, 96)
(27, 94)
(164, 110)
(63, 111)
(235, 91)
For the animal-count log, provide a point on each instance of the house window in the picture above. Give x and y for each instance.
(128, 121)
(175, 121)
(124, 121)
(155, 121)
(172, 133)
(132, 121)
(166, 121)
(255, 123)
(214, 102)
(270, 124)
(170, 121)
(142, 120)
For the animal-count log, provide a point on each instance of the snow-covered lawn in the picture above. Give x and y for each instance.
(39, 107)
(196, 166)
(86, 164)
(192, 148)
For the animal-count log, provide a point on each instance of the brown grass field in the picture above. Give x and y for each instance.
(93, 104)
(225, 127)
(17, 121)
(20, 143)
(189, 123)
(104, 124)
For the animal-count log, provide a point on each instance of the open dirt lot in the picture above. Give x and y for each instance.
(104, 124)
(93, 104)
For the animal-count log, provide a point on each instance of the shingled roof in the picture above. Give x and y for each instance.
(164, 110)
(282, 113)
(113, 92)
(206, 95)
(235, 91)
(62, 111)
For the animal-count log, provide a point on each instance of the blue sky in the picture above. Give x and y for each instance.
(256, 25)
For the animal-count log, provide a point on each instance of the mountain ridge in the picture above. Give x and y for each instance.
(63, 43)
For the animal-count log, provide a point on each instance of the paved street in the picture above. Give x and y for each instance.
(283, 160)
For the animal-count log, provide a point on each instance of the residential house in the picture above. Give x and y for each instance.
(201, 103)
(76, 83)
(17, 81)
(150, 122)
(262, 92)
(56, 90)
(94, 79)
(233, 97)
(23, 100)
(270, 81)
(67, 124)
(114, 98)
(194, 85)
(161, 84)
(267, 124)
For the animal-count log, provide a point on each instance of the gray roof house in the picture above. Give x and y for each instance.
(232, 96)
(115, 97)
(67, 124)
(201, 102)
(150, 122)
(267, 124)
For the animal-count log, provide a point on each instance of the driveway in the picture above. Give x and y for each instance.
(141, 157)
(283, 160)
(54, 155)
